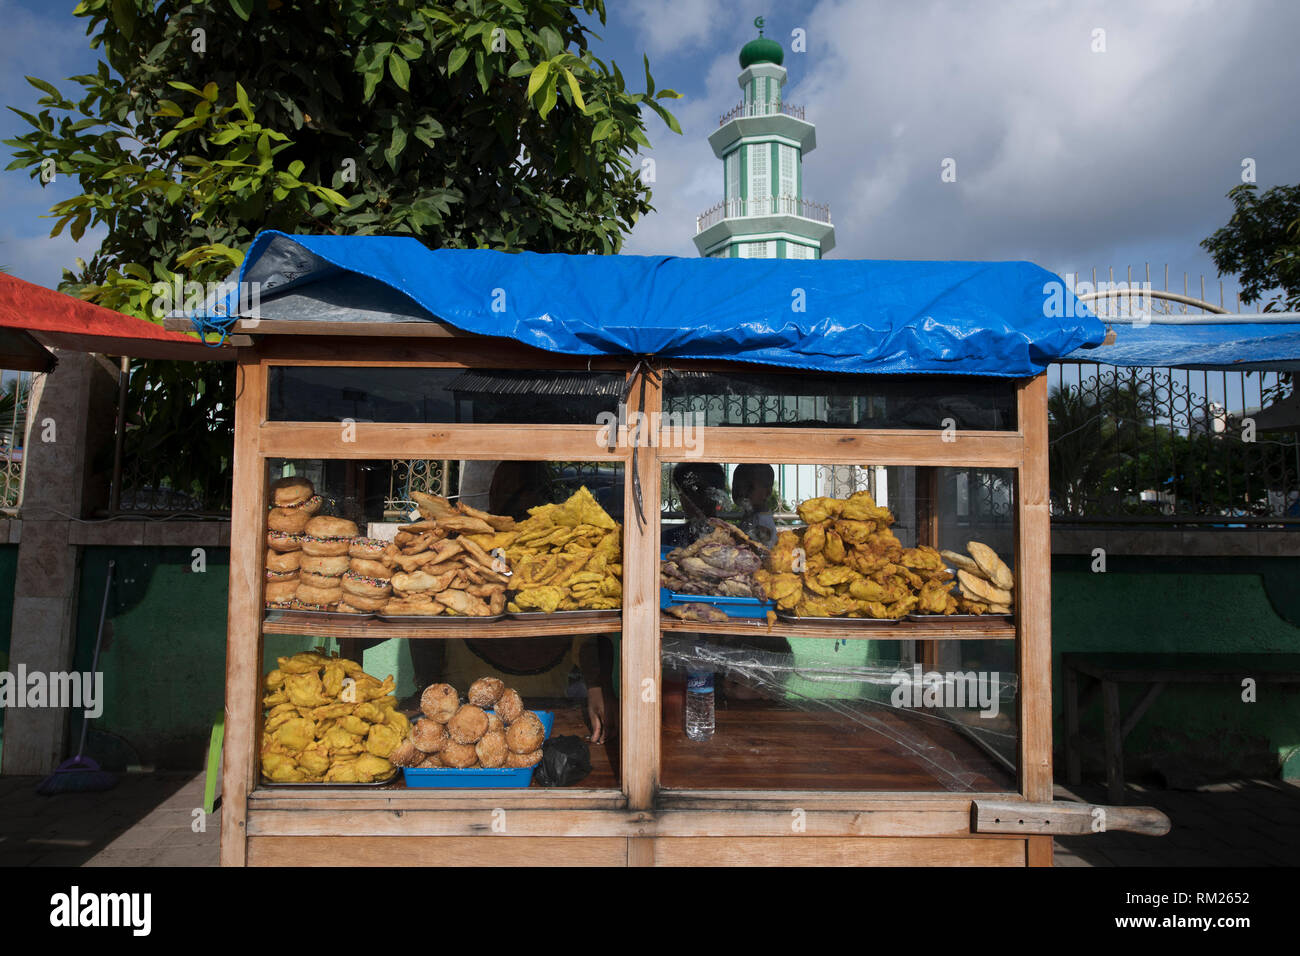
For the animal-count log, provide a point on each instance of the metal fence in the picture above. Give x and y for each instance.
(1171, 446)
(762, 206)
(761, 108)
(14, 402)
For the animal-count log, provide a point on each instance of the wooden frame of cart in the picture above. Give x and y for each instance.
(640, 823)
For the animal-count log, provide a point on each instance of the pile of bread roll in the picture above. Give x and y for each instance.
(308, 553)
(367, 583)
(293, 503)
(493, 730)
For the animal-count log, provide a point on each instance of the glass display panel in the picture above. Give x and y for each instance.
(838, 627)
(441, 395)
(769, 399)
(486, 577)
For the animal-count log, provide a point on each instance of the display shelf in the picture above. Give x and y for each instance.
(434, 628)
(905, 631)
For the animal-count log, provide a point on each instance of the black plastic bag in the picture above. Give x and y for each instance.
(565, 761)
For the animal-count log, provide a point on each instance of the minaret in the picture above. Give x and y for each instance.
(761, 143)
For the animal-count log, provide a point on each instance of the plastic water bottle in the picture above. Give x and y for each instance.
(699, 705)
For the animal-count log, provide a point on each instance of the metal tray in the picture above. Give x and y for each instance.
(610, 612)
(454, 620)
(294, 614)
(840, 621)
(946, 618)
(330, 785)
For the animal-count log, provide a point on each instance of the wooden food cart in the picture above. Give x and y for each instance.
(646, 801)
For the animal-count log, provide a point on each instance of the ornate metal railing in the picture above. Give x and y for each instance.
(761, 108)
(763, 206)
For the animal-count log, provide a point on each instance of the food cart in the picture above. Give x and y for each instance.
(920, 381)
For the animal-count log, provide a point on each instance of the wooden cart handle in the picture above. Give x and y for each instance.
(1061, 817)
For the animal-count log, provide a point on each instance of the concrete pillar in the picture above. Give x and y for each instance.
(65, 429)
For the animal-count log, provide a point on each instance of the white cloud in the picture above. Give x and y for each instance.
(1062, 153)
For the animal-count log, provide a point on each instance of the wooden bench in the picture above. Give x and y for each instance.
(1155, 671)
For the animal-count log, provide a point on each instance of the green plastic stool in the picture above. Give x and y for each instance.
(214, 762)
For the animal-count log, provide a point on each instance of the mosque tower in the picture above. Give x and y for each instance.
(762, 142)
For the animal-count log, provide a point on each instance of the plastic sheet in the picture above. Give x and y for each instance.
(835, 315)
(769, 674)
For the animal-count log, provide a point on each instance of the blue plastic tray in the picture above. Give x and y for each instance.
(730, 606)
(479, 777)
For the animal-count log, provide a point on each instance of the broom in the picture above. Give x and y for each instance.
(80, 774)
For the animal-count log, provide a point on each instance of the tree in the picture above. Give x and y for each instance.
(1261, 245)
(464, 124)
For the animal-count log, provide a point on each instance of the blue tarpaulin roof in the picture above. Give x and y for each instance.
(1248, 346)
(834, 315)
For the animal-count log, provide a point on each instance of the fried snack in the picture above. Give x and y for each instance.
(524, 760)
(464, 524)
(287, 492)
(705, 613)
(281, 593)
(962, 562)
(439, 702)
(429, 736)
(468, 724)
(367, 548)
(318, 597)
(462, 603)
(371, 569)
(495, 723)
(430, 762)
(406, 754)
(283, 561)
(525, 734)
(509, 706)
(491, 749)
(485, 692)
(993, 567)
(327, 566)
(360, 585)
(458, 755)
(326, 582)
(293, 520)
(367, 604)
(981, 590)
(283, 541)
(432, 506)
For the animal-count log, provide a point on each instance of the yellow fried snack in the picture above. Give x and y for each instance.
(993, 567)
(382, 740)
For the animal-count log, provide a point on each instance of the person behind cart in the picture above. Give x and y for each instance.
(751, 489)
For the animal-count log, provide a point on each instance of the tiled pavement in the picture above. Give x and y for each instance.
(146, 820)
(1238, 823)
(150, 821)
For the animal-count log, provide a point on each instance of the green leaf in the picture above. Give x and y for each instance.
(395, 147)
(243, 8)
(457, 59)
(548, 97)
(574, 91)
(400, 70)
(43, 86)
(602, 130)
(241, 98)
(538, 78)
(649, 80)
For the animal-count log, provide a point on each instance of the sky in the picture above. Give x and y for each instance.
(1074, 148)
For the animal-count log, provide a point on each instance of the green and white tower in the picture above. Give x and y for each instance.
(762, 142)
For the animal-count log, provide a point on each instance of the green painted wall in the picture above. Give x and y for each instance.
(8, 571)
(1194, 605)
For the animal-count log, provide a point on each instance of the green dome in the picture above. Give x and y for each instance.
(761, 50)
